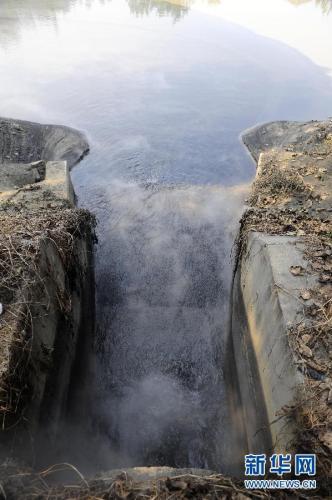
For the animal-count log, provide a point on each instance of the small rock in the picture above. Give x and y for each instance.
(305, 294)
(1, 308)
(297, 270)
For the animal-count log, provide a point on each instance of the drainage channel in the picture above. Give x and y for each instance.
(163, 278)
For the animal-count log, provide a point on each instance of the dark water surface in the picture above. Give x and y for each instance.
(163, 93)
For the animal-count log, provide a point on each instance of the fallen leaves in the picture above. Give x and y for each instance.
(325, 277)
(305, 350)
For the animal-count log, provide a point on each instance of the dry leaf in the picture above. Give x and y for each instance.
(317, 266)
(305, 350)
(322, 253)
(306, 338)
(325, 278)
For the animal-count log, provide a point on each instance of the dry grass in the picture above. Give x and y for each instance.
(36, 486)
(21, 235)
(276, 181)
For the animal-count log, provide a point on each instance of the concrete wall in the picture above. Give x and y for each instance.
(44, 357)
(25, 142)
(265, 305)
(63, 319)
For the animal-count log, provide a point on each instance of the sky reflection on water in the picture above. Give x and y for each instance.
(160, 101)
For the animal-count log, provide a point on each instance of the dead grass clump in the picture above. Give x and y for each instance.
(32, 486)
(275, 181)
(22, 233)
(313, 417)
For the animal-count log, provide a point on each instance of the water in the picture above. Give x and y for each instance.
(163, 316)
(163, 91)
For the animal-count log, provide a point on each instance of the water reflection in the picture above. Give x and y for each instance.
(325, 5)
(17, 16)
(174, 8)
(12, 14)
(180, 7)
(162, 8)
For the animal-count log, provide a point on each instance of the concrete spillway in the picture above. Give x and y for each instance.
(164, 269)
(173, 382)
(158, 394)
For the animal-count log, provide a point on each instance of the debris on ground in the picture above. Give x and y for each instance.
(31, 486)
